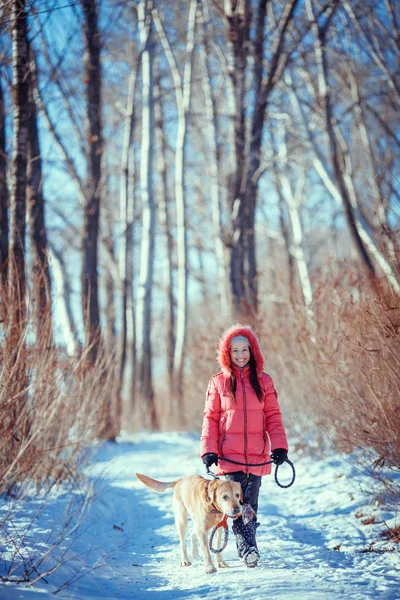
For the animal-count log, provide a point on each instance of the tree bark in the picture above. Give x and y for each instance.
(211, 132)
(165, 221)
(127, 211)
(36, 212)
(145, 284)
(183, 94)
(183, 113)
(293, 200)
(4, 196)
(16, 313)
(90, 302)
(20, 52)
(63, 295)
(264, 85)
(238, 20)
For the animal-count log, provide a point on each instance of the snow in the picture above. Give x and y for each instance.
(311, 537)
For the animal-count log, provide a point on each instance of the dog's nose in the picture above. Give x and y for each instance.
(237, 510)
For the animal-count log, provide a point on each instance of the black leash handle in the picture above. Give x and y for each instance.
(269, 462)
(293, 474)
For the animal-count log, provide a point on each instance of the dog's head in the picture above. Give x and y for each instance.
(226, 496)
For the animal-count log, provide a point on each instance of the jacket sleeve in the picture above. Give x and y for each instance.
(210, 430)
(273, 416)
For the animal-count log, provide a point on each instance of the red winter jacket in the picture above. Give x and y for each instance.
(244, 429)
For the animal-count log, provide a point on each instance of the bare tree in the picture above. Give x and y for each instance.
(36, 212)
(182, 88)
(211, 133)
(164, 208)
(90, 301)
(237, 15)
(340, 156)
(19, 162)
(145, 284)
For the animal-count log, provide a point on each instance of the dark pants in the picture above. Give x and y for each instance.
(250, 486)
(245, 535)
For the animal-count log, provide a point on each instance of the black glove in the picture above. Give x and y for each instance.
(210, 459)
(279, 456)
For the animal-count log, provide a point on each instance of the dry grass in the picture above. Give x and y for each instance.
(392, 534)
(51, 407)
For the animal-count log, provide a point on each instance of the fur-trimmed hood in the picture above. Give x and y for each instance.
(223, 350)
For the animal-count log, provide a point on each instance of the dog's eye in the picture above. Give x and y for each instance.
(225, 497)
(237, 495)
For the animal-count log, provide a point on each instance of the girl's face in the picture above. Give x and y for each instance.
(240, 353)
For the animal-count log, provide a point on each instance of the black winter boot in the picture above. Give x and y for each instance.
(246, 544)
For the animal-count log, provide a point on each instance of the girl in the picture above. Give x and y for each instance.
(242, 423)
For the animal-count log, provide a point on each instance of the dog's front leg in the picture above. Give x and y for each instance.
(221, 564)
(203, 539)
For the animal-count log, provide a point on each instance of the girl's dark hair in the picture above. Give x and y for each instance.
(255, 384)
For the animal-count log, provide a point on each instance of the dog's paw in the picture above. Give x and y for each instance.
(222, 564)
(211, 569)
(185, 563)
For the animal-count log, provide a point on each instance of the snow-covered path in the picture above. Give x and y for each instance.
(310, 539)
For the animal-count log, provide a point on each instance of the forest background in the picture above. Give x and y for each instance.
(170, 168)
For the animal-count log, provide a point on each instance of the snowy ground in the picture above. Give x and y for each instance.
(311, 536)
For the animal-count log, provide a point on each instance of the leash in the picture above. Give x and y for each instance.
(269, 462)
(223, 523)
(247, 515)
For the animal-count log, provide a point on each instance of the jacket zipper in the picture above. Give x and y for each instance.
(245, 421)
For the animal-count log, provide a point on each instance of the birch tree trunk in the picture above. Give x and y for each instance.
(127, 210)
(211, 133)
(144, 294)
(63, 295)
(36, 212)
(106, 225)
(165, 221)
(183, 113)
(4, 199)
(90, 302)
(293, 200)
(183, 93)
(20, 52)
(16, 361)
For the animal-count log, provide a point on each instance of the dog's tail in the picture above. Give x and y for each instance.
(157, 486)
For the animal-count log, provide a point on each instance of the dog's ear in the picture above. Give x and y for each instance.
(211, 491)
(241, 494)
(235, 486)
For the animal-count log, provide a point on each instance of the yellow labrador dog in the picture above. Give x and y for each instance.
(205, 502)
